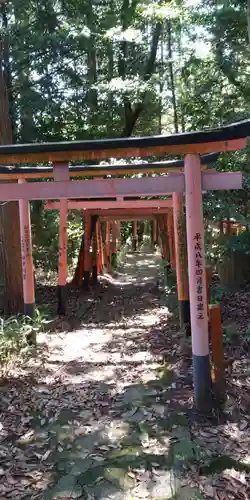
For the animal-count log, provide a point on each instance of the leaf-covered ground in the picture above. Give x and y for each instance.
(107, 413)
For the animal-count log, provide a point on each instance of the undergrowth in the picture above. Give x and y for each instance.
(122, 252)
(18, 339)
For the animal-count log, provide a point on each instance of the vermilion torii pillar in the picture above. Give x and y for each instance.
(108, 245)
(171, 238)
(61, 173)
(181, 262)
(94, 249)
(27, 261)
(119, 198)
(114, 231)
(155, 237)
(87, 264)
(197, 284)
(62, 261)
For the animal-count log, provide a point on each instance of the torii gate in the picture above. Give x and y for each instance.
(111, 211)
(192, 182)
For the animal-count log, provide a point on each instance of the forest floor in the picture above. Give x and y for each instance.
(106, 411)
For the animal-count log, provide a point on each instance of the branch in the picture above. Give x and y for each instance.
(171, 74)
(132, 117)
(127, 13)
(226, 68)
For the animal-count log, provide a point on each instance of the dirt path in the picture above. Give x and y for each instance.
(104, 416)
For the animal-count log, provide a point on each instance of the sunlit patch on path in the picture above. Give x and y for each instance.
(105, 416)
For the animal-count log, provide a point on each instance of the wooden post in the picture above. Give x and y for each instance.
(27, 260)
(101, 244)
(197, 283)
(160, 231)
(104, 248)
(155, 239)
(163, 243)
(108, 245)
(134, 235)
(94, 249)
(118, 234)
(99, 264)
(228, 227)
(170, 223)
(114, 244)
(235, 229)
(162, 222)
(86, 252)
(221, 227)
(181, 263)
(119, 199)
(217, 351)
(208, 282)
(62, 267)
(61, 173)
(166, 240)
(99, 248)
(81, 258)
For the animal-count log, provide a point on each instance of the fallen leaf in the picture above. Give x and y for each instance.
(208, 490)
(130, 413)
(46, 455)
(243, 425)
(131, 474)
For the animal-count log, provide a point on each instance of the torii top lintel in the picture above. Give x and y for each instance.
(229, 138)
(10, 172)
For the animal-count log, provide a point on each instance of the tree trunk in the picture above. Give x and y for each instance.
(91, 64)
(76, 281)
(131, 114)
(10, 248)
(161, 85)
(110, 56)
(248, 20)
(171, 73)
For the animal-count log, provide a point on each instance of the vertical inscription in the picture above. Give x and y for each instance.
(199, 276)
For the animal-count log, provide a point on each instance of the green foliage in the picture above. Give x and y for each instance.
(46, 238)
(146, 244)
(240, 244)
(85, 69)
(216, 295)
(18, 337)
(113, 260)
(248, 335)
(126, 231)
(122, 252)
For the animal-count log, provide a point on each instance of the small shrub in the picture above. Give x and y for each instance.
(121, 254)
(216, 295)
(247, 339)
(147, 245)
(18, 337)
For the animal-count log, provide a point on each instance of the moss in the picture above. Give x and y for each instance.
(130, 450)
(219, 464)
(164, 376)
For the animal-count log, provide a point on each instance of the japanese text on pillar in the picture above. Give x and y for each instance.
(199, 276)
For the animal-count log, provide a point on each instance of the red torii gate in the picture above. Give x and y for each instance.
(229, 138)
(116, 211)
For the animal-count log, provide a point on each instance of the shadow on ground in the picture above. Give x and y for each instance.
(79, 440)
(107, 414)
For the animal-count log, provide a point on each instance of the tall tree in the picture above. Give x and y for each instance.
(10, 249)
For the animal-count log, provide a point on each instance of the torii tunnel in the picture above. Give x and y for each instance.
(183, 181)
